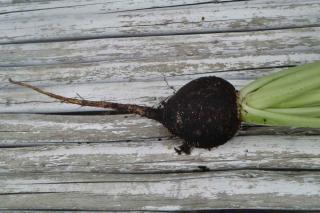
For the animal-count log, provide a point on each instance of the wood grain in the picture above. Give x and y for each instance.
(86, 152)
(131, 70)
(151, 57)
(94, 21)
(180, 48)
(147, 93)
(165, 192)
(19, 6)
(33, 129)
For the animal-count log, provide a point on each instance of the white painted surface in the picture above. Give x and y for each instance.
(185, 191)
(131, 70)
(94, 21)
(14, 6)
(151, 155)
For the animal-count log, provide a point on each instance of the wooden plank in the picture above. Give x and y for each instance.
(84, 62)
(145, 93)
(32, 129)
(211, 51)
(10, 6)
(148, 93)
(161, 192)
(41, 129)
(94, 21)
(153, 155)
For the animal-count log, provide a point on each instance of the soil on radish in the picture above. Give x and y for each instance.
(203, 112)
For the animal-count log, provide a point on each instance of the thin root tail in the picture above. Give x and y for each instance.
(125, 108)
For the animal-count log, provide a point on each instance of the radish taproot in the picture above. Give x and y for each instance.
(207, 111)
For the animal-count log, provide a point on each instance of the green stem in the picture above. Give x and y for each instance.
(292, 86)
(300, 74)
(311, 98)
(256, 116)
(258, 83)
(305, 111)
(288, 98)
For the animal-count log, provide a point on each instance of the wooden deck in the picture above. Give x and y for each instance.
(61, 157)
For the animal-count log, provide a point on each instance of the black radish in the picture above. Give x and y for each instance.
(207, 112)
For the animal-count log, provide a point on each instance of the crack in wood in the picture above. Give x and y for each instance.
(141, 35)
(121, 11)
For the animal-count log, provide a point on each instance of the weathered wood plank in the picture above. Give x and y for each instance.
(94, 21)
(23, 100)
(166, 192)
(150, 93)
(32, 129)
(145, 93)
(301, 45)
(197, 56)
(164, 48)
(14, 6)
(83, 62)
(148, 55)
(21, 129)
(151, 155)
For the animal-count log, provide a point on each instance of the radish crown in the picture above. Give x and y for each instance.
(290, 97)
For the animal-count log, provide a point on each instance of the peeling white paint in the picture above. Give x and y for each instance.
(163, 208)
(95, 21)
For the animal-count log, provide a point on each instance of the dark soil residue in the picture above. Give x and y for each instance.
(203, 112)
